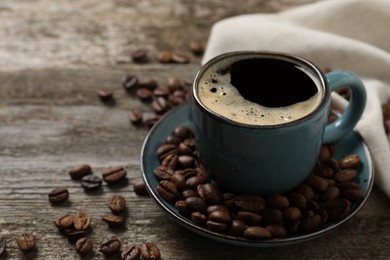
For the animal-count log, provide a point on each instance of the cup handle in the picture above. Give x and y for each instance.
(348, 120)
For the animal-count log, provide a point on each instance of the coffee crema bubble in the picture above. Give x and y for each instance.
(259, 91)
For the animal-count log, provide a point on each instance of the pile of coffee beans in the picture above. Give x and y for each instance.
(325, 196)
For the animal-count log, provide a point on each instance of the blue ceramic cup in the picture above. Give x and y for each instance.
(260, 118)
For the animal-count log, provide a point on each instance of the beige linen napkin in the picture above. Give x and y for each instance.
(351, 35)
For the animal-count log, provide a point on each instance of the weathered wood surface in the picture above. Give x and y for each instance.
(54, 55)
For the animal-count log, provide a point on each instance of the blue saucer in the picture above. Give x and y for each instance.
(351, 144)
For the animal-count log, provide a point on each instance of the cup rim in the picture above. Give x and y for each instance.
(266, 54)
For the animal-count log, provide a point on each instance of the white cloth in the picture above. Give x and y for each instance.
(352, 35)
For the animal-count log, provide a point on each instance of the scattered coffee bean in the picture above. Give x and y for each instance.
(3, 246)
(140, 188)
(110, 246)
(139, 55)
(81, 220)
(178, 57)
(131, 252)
(114, 221)
(117, 203)
(58, 195)
(150, 251)
(26, 241)
(79, 171)
(113, 175)
(196, 48)
(91, 182)
(105, 94)
(130, 83)
(84, 245)
(73, 235)
(144, 94)
(135, 116)
(64, 221)
(164, 56)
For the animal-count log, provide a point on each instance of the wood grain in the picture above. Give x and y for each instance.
(53, 58)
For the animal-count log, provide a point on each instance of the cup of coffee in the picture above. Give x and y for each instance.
(260, 118)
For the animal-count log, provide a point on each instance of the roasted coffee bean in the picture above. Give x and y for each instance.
(351, 195)
(79, 171)
(190, 172)
(181, 206)
(350, 161)
(182, 132)
(198, 218)
(139, 188)
(196, 204)
(26, 241)
(277, 201)
(91, 182)
(84, 245)
(212, 208)
(324, 153)
(210, 193)
(161, 92)
(150, 251)
(58, 195)
(73, 235)
(171, 161)
(163, 173)
(349, 185)
(114, 221)
(117, 203)
(221, 216)
(130, 82)
(291, 213)
(196, 48)
(276, 230)
(236, 227)
(317, 183)
(110, 246)
(135, 116)
(165, 150)
(113, 175)
(183, 149)
(173, 83)
(160, 105)
(150, 84)
(297, 200)
(178, 57)
(186, 161)
(310, 223)
(81, 220)
(330, 193)
(250, 218)
(337, 209)
(179, 180)
(165, 56)
(131, 252)
(139, 55)
(216, 226)
(189, 193)
(173, 140)
(64, 221)
(105, 94)
(144, 94)
(257, 232)
(271, 216)
(167, 190)
(194, 181)
(345, 175)
(306, 191)
(3, 246)
(248, 202)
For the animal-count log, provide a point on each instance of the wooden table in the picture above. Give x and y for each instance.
(54, 55)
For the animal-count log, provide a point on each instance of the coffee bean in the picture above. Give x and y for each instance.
(351, 195)
(220, 216)
(110, 246)
(181, 206)
(144, 94)
(130, 82)
(271, 216)
(131, 252)
(117, 203)
(84, 245)
(330, 193)
(182, 132)
(173, 83)
(349, 185)
(317, 183)
(150, 251)
(165, 150)
(216, 226)
(160, 105)
(196, 48)
(139, 188)
(163, 173)
(161, 92)
(114, 221)
(58, 195)
(196, 204)
(210, 193)
(278, 201)
(73, 235)
(139, 55)
(292, 214)
(236, 227)
(257, 232)
(79, 171)
(167, 190)
(248, 202)
(276, 230)
(91, 182)
(171, 161)
(186, 161)
(350, 161)
(150, 84)
(212, 208)
(297, 200)
(198, 218)
(81, 220)
(345, 175)
(249, 218)
(26, 241)
(306, 191)
(179, 180)
(178, 57)
(3, 246)
(337, 209)
(64, 221)
(165, 56)
(135, 116)
(310, 223)
(113, 175)
(105, 94)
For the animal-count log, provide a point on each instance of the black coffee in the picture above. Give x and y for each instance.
(258, 90)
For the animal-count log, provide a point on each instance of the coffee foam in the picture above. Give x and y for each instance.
(217, 93)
